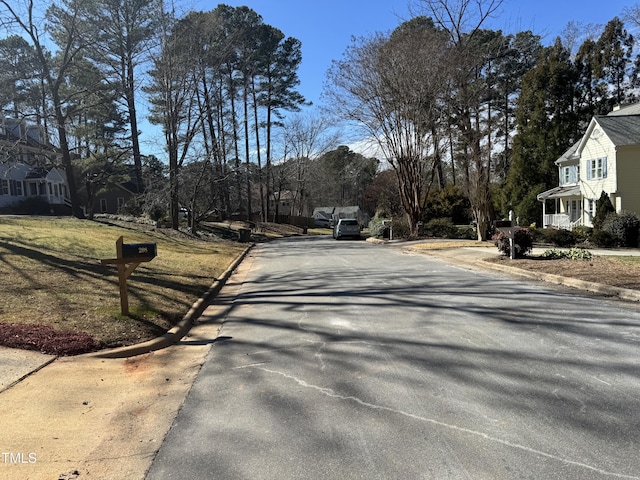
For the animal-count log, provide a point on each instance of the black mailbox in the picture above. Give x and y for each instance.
(502, 223)
(139, 250)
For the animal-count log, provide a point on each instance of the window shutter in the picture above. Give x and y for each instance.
(588, 169)
(604, 167)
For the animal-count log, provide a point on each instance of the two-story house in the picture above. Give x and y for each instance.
(607, 158)
(27, 168)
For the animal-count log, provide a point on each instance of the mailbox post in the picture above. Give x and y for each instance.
(128, 257)
(506, 227)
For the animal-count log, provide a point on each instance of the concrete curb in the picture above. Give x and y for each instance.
(183, 327)
(623, 293)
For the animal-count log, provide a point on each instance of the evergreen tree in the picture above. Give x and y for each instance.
(603, 208)
(547, 127)
(615, 47)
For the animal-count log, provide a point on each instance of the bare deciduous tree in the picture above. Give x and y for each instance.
(393, 86)
(306, 137)
(462, 20)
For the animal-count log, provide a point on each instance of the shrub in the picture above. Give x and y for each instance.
(450, 202)
(604, 208)
(467, 232)
(571, 254)
(156, 211)
(561, 237)
(579, 254)
(624, 227)
(553, 254)
(441, 227)
(33, 206)
(523, 241)
(401, 227)
(603, 239)
(582, 233)
(377, 228)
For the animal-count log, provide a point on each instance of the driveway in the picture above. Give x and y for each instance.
(352, 360)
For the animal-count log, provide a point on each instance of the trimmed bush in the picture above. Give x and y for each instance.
(401, 227)
(603, 239)
(624, 227)
(451, 202)
(523, 242)
(33, 206)
(582, 233)
(466, 232)
(377, 228)
(441, 227)
(560, 237)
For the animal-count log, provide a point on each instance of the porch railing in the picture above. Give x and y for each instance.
(561, 220)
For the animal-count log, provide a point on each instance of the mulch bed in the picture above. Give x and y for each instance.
(45, 339)
(601, 269)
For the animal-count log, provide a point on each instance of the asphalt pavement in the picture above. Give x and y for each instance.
(341, 360)
(47, 401)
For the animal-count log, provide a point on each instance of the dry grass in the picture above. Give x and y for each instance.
(441, 244)
(50, 274)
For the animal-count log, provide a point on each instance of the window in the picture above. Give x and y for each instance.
(597, 168)
(33, 189)
(120, 203)
(15, 187)
(591, 207)
(103, 205)
(4, 187)
(570, 175)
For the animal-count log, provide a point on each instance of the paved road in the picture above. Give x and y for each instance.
(349, 360)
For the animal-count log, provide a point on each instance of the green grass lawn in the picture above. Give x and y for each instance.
(51, 274)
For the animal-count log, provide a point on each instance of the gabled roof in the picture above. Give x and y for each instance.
(621, 129)
(569, 154)
(37, 172)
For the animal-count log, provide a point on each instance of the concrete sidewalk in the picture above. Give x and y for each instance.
(104, 415)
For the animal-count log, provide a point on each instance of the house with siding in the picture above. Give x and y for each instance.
(606, 158)
(27, 168)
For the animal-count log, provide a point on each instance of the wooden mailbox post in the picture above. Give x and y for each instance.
(128, 257)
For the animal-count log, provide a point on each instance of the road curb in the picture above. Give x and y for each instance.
(480, 262)
(183, 327)
(623, 293)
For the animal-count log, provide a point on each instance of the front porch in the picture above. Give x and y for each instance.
(561, 220)
(567, 203)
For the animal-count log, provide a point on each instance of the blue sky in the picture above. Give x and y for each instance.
(325, 27)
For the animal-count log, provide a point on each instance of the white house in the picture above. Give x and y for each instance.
(26, 167)
(607, 158)
(19, 181)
